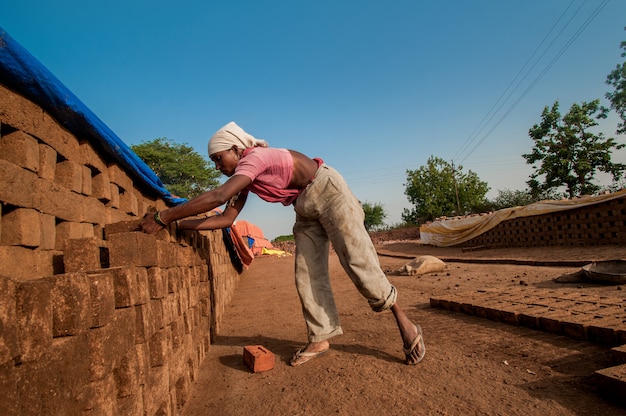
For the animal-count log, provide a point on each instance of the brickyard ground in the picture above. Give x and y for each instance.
(474, 365)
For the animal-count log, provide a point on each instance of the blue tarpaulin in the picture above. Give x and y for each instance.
(22, 73)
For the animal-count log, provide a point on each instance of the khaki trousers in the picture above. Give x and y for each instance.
(327, 211)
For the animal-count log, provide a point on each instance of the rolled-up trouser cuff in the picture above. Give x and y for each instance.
(384, 304)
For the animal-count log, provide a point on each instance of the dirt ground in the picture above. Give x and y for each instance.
(472, 365)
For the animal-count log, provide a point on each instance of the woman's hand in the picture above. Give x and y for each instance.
(149, 224)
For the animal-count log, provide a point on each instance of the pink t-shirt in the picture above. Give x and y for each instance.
(270, 171)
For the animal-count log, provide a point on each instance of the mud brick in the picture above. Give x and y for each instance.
(143, 287)
(101, 186)
(47, 162)
(121, 227)
(84, 254)
(157, 282)
(128, 202)
(56, 200)
(102, 298)
(68, 383)
(94, 211)
(9, 375)
(26, 264)
(17, 185)
(71, 313)
(575, 325)
(158, 344)
(529, 317)
(119, 177)
(8, 321)
(134, 248)
(114, 196)
(86, 182)
(34, 318)
(21, 149)
(603, 329)
(67, 230)
(551, 321)
(101, 354)
(100, 397)
(21, 227)
(88, 156)
(48, 232)
(125, 286)
(130, 405)
(69, 174)
(127, 376)
(258, 358)
(61, 140)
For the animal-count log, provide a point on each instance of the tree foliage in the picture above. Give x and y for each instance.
(183, 171)
(374, 215)
(507, 198)
(433, 190)
(567, 153)
(617, 79)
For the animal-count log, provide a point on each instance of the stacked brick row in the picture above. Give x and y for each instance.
(594, 225)
(96, 318)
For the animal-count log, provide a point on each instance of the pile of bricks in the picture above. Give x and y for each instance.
(95, 316)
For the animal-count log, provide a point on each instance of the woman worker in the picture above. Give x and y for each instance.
(326, 212)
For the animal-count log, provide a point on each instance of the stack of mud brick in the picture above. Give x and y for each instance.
(95, 317)
(594, 225)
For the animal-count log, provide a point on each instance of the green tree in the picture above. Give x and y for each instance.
(617, 79)
(374, 215)
(439, 189)
(183, 171)
(567, 153)
(507, 198)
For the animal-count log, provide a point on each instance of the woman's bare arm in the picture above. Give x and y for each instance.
(202, 203)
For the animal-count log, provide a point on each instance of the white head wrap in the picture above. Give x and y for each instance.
(232, 135)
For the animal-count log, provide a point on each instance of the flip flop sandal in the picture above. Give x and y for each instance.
(419, 340)
(301, 357)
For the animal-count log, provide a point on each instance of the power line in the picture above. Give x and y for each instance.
(541, 74)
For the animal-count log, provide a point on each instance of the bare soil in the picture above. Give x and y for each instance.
(472, 365)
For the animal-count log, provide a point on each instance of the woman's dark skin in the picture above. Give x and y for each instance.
(304, 169)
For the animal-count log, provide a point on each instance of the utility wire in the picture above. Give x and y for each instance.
(542, 73)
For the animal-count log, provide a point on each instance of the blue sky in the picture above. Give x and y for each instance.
(372, 87)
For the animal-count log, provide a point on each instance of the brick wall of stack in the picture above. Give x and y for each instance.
(95, 317)
(594, 225)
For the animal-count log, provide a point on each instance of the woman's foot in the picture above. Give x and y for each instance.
(312, 350)
(416, 350)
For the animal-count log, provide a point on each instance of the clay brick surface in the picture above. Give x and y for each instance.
(83, 254)
(94, 211)
(21, 227)
(69, 174)
(56, 200)
(70, 304)
(23, 263)
(128, 202)
(34, 317)
(125, 286)
(21, 149)
(101, 186)
(47, 162)
(135, 248)
(48, 232)
(157, 282)
(119, 177)
(8, 321)
(86, 188)
(258, 358)
(90, 157)
(102, 298)
(15, 182)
